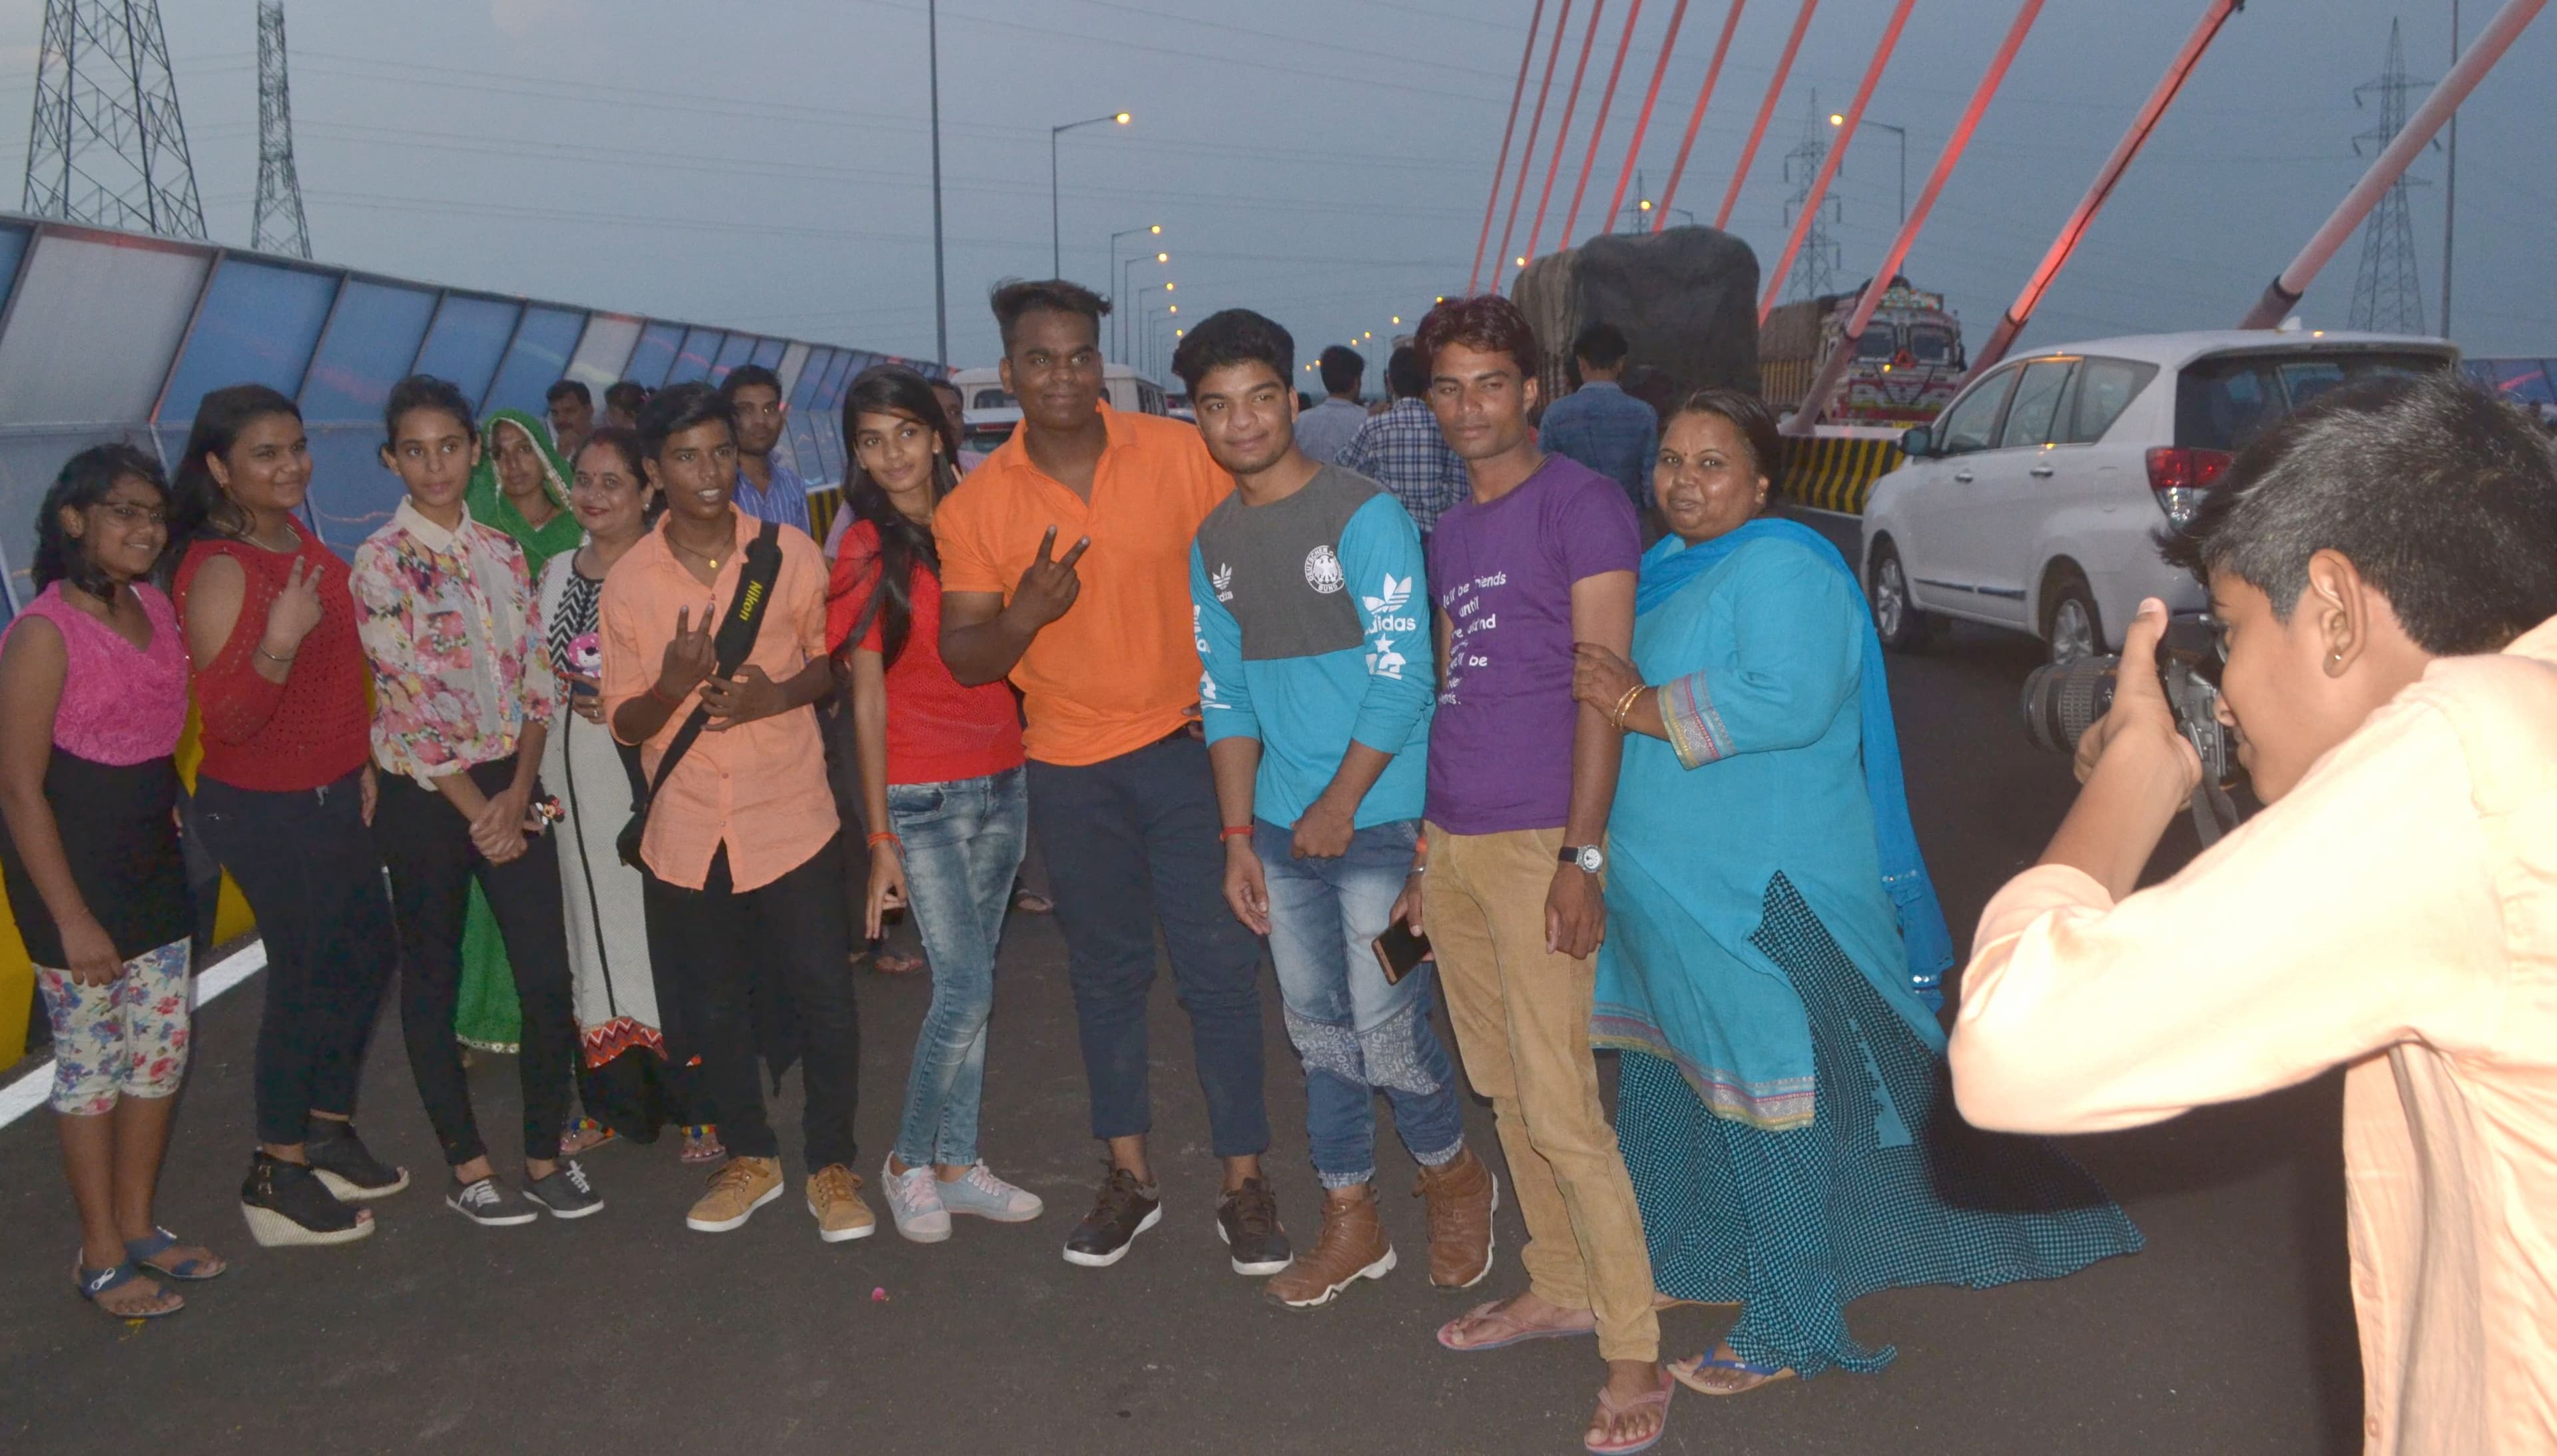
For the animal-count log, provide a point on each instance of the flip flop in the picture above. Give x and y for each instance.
(1610, 1405)
(95, 1282)
(585, 1136)
(1684, 1372)
(146, 1252)
(889, 963)
(1031, 903)
(1517, 1333)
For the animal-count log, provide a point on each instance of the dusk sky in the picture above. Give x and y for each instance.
(1326, 161)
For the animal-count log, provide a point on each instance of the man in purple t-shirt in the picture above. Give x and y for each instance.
(1539, 555)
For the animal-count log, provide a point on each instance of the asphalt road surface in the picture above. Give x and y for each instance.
(2231, 1333)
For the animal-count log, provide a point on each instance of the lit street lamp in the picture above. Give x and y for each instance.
(1151, 229)
(1055, 237)
(1839, 118)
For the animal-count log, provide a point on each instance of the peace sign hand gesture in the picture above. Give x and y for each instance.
(689, 657)
(1049, 587)
(294, 611)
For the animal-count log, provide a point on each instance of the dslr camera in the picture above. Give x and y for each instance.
(2063, 700)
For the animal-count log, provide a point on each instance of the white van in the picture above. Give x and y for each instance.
(993, 412)
(2034, 500)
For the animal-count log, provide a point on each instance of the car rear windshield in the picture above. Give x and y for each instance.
(991, 399)
(2222, 403)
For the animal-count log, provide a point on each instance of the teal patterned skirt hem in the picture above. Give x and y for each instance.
(1794, 1225)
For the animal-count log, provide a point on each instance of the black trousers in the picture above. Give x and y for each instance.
(425, 843)
(1130, 845)
(798, 931)
(306, 864)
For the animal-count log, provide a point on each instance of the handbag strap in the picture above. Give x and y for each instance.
(738, 632)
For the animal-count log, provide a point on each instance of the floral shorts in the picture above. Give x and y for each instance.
(128, 1036)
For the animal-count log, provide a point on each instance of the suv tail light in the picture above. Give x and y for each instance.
(2179, 475)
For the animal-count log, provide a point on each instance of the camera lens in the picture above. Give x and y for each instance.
(2063, 700)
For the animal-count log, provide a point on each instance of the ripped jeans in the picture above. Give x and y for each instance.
(1356, 1034)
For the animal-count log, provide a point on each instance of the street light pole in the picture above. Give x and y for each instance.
(1119, 299)
(940, 285)
(1838, 119)
(1055, 232)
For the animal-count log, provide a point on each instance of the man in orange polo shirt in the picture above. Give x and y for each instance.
(1065, 566)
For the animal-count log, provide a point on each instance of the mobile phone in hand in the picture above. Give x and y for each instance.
(1398, 950)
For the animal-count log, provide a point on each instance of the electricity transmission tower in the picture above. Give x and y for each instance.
(108, 146)
(2387, 296)
(280, 226)
(1816, 269)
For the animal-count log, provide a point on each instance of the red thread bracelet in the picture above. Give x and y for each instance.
(877, 840)
(1233, 832)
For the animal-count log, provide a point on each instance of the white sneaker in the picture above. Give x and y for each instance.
(987, 1197)
(915, 1201)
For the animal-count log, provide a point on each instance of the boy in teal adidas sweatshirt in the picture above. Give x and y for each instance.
(1316, 692)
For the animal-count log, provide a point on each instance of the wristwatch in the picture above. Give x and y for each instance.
(1588, 859)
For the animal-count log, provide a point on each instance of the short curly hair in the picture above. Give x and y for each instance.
(1487, 323)
(1014, 297)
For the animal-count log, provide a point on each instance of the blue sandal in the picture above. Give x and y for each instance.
(95, 1282)
(146, 1252)
(1687, 1370)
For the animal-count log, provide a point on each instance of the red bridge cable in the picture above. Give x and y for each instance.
(1766, 111)
(1817, 398)
(1527, 152)
(1598, 129)
(2151, 111)
(1643, 123)
(1563, 133)
(1694, 119)
(1837, 155)
(1500, 168)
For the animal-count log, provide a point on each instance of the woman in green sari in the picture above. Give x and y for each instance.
(520, 487)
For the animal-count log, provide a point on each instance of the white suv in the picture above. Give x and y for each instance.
(2034, 500)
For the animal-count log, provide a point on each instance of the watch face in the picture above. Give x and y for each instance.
(1592, 859)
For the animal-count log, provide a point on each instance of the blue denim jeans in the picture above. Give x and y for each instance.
(1357, 1035)
(962, 843)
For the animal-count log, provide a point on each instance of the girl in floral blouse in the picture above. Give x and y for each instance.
(464, 695)
(92, 696)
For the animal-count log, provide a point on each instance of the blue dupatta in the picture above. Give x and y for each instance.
(1904, 870)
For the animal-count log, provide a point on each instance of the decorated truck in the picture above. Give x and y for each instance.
(1907, 366)
(1908, 361)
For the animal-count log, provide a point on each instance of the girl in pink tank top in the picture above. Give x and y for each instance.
(92, 698)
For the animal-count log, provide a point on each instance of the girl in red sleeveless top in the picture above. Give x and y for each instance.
(284, 799)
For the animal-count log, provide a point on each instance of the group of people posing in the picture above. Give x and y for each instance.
(572, 704)
(556, 735)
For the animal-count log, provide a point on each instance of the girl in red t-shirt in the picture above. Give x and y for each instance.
(284, 799)
(942, 785)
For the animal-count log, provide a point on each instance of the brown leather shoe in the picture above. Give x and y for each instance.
(1353, 1247)
(1464, 1193)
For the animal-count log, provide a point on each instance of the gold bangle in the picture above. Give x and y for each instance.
(1625, 703)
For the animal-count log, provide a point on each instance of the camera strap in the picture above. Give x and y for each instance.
(2214, 813)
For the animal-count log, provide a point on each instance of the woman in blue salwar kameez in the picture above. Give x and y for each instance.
(1773, 946)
